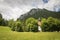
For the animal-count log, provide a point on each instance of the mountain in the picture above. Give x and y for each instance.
(36, 13)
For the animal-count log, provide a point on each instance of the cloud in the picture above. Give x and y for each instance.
(14, 8)
(52, 5)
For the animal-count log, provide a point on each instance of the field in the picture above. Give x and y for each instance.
(7, 34)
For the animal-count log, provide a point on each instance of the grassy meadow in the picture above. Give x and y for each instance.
(7, 34)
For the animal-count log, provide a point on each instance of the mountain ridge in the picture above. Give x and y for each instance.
(36, 13)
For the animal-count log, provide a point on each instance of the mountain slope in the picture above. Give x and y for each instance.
(36, 13)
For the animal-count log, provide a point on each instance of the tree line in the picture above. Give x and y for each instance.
(49, 24)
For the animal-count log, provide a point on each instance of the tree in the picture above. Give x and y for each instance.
(44, 25)
(0, 19)
(31, 24)
(57, 22)
(0, 15)
(4, 22)
(19, 27)
(50, 24)
(12, 24)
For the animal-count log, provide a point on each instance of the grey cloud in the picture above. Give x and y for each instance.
(14, 8)
(22, 2)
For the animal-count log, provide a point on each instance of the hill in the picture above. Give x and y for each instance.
(36, 13)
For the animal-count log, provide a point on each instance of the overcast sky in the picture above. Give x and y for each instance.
(14, 8)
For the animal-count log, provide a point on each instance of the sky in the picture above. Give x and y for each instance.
(12, 9)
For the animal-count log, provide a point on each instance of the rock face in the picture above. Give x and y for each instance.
(36, 13)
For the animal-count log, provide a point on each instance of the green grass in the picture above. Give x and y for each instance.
(7, 34)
